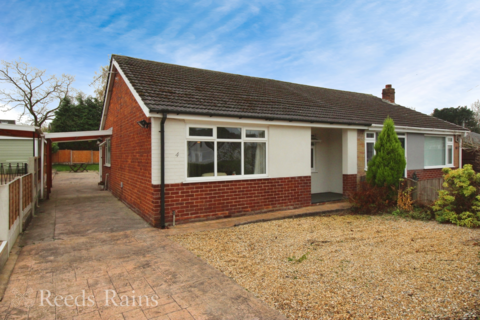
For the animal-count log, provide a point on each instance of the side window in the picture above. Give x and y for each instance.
(370, 138)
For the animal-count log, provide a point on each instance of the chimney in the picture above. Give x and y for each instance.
(388, 93)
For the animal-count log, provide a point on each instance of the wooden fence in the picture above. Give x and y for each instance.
(75, 156)
(426, 191)
(17, 204)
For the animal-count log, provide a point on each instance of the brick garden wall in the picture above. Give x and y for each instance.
(130, 154)
(221, 199)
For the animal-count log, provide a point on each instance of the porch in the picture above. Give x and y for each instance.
(333, 163)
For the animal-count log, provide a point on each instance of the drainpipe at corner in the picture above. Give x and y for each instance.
(162, 171)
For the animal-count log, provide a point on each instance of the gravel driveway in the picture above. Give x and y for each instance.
(350, 266)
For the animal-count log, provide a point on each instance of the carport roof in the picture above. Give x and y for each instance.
(77, 135)
(16, 130)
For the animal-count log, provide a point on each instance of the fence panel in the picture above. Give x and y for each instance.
(75, 156)
(26, 190)
(14, 201)
(425, 191)
(61, 156)
(428, 190)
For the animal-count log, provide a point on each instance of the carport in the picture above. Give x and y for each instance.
(68, 137)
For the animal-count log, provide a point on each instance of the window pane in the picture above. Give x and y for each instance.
(201, 155)
(229, 133)
(200, 132)
(229, 158)
(255, 157)
(450, 154)
(255, 133)
(434, 151)
(370, 151)
(370, 135)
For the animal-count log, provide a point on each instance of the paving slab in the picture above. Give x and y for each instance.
(101, 261)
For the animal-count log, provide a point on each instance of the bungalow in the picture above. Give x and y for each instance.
(198, 144)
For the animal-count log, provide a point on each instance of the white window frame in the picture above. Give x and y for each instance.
(374, 140)
(108, 152)
(447, 143)
(369, 140)
(214, 139)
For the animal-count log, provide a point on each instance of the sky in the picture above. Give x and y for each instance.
(428, 50)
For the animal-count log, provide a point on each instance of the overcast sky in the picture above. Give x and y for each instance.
(428, 50)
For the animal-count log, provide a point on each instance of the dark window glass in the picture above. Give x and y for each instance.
(370, 151)
(255, 133)
(200, 132)
(450, 154)
(229, 158)
(201, 156)
(229, 133)
(255, 154)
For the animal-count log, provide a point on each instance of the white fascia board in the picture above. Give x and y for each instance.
(19, 127)
(379, 127)
(107, 98)
(199, 118)
(129, 85)
(78, 134)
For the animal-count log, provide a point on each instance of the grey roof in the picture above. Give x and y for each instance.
(172, 88)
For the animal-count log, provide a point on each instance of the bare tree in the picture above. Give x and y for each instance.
(31, 90)
(99, 82)
(476, 110)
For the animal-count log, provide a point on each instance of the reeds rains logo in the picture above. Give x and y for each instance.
(109, 299)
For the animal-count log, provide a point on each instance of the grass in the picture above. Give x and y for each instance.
(66, 167)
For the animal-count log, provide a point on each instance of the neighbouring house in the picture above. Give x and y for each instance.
(16, 149)
(471, 150)
(191, 144)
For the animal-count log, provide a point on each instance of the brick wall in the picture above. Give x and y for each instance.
(349, 183)
(425, 174)
(220, 199)
(360, 153)
(130, 154)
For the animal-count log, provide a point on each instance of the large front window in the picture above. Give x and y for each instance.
(438, 151)
(226, 151)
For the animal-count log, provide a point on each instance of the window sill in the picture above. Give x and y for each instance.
(227, 178)
(107, 165)
(439, 167)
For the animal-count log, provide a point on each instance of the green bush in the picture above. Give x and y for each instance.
(459, 203)
(388, 164)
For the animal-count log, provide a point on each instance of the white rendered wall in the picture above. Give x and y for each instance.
(288, 151)
(349, 151)
(328, 176)
(175, 144)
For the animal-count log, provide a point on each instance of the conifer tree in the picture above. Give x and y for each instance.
(388, 164)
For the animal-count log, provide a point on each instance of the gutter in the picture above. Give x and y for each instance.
(162, 171)
(259, 117)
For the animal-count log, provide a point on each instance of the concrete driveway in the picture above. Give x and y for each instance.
(87, 256)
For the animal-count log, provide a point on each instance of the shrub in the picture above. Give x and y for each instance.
(404, 198)
(371, 199)
(388, 164)
(459, 203)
